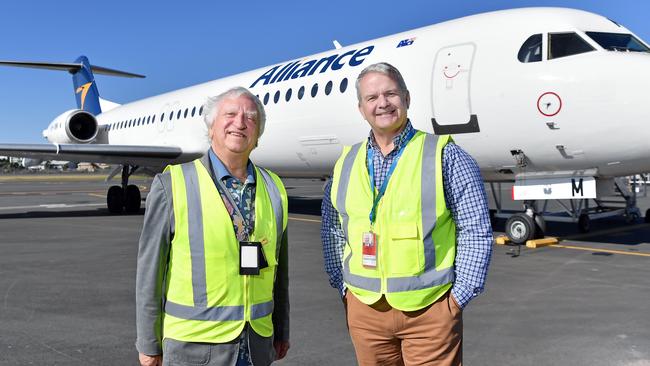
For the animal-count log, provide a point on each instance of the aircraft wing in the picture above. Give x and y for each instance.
(99, 153)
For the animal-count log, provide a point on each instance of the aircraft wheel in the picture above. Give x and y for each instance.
(631, 217)
(647, 216)
(540, 226)
(520, 228)
(115, 199)
(133, 199)
(584, 223)
(493, 217)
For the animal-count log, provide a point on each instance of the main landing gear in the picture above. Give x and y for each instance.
(125, 197)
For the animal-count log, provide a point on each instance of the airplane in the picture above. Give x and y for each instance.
(550, 98)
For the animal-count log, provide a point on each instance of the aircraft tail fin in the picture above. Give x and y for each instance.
(83, 80)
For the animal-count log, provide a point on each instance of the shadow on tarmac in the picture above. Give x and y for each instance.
(304, 206)
(98, 212)
(609, 230)
(613, 230)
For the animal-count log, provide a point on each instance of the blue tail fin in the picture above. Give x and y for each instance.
(85, 88)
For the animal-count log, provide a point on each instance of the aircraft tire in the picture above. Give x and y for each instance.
(133, 199)
(115, 199)
(520, 228)
(540, 226)
(584, 223)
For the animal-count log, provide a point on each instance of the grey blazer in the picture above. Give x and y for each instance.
(155, 241)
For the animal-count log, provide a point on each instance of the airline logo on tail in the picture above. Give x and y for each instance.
(84, 91)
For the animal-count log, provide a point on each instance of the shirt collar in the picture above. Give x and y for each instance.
(398, 140)
(221, 172)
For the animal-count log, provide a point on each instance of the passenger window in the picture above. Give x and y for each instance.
(287, 96)
(185, 114)
(178, 115)
(266, 98)
(531, 50)
(566, 44)
(301, 92)
(201, 111)
(276, 97)
(193, 110)
(328, 88)
(344, 85)
(314, 90)
(162, 117)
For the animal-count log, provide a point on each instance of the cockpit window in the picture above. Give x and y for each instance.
(618, 42)
(566, 44)
(531, 50)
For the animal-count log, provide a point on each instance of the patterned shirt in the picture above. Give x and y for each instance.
(242, 193)
(244, 196)
(466, 199)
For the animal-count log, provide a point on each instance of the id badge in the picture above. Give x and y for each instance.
(369, 253)
(249, 257)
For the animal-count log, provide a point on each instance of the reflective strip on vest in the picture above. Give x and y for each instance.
(342, 191)
(276, 204)
(218, 313)
(430, 277)
(200, 311)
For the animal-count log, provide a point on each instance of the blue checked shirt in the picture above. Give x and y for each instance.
(465, 198)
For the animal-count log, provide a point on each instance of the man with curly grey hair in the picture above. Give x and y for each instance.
(212, 275)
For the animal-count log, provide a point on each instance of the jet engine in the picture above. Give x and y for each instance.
(72, 127)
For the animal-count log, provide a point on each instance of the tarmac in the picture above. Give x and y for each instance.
(67, 275)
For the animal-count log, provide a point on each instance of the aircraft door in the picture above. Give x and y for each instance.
(451, 83)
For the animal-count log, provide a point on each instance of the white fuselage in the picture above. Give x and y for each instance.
(453, 70)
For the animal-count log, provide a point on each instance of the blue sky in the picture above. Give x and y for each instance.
(178, 44)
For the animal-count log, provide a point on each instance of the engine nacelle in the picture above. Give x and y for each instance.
(74, 126)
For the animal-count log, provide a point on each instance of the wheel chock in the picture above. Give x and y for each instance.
(501, 240)
(539, 243)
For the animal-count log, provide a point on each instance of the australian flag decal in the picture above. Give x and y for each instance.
(406, 42)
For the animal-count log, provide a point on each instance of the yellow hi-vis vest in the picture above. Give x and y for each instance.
(416, 236)
(206, 299)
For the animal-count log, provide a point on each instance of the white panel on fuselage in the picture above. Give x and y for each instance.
(451, 84)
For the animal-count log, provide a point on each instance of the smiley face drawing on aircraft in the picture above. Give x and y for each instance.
(451, 71)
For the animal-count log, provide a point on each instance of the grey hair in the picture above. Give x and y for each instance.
(211, 107)
(386, 69)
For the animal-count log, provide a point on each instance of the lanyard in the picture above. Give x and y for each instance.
(237, 212)
(377, 196)
(225, 194)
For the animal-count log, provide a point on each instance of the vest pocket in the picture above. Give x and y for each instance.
(405, 249)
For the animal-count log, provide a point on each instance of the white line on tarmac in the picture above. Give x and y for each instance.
(53, 205)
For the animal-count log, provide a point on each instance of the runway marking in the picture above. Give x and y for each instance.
(53, 205)
(97, 195)
(301, 219)
(599, 250)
